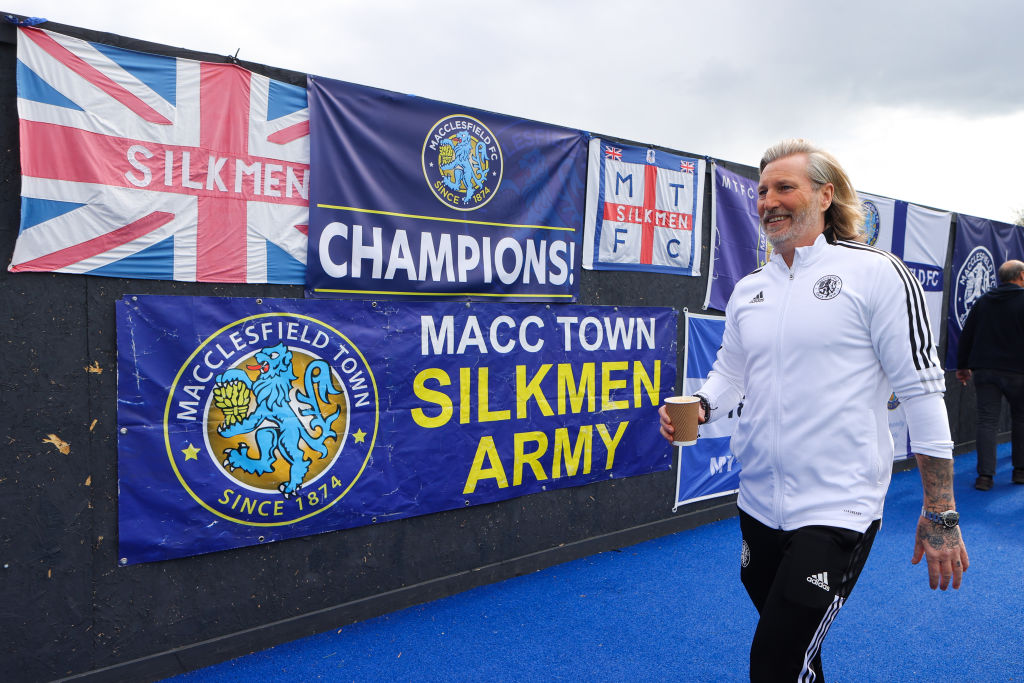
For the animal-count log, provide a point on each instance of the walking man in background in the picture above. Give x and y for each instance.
(813, 341)
(992, 348)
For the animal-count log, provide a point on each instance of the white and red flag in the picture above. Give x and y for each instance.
(144, 166)
(644, 210)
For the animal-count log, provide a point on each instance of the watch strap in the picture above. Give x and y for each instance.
(940, 517)
(705, 406)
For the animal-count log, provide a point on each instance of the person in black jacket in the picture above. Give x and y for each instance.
(992, 347)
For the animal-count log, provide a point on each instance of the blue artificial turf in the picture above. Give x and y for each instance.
(673, 609)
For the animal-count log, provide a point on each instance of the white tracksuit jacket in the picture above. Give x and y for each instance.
(814, 349)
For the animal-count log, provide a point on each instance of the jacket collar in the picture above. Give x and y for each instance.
(804, 256)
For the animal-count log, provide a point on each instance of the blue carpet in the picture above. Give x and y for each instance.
(673, 609)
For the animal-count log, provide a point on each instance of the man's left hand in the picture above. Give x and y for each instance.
(946, 553)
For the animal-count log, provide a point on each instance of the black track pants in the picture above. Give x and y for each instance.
(797, 580)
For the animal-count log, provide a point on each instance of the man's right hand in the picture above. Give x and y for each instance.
(666, 424)
(963, 376)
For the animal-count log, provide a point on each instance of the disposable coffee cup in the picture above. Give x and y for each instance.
(682, 413)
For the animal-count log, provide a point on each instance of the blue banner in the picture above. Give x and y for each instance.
(981, 246)
(412, 197)
(738, 246)
(708, 468)
(246, 421)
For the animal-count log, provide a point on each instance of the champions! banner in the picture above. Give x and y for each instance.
(981, 246)
(411, 197)
(643, 210)
(737, 244)
(141, 166)
(246, 421)
(707, 469)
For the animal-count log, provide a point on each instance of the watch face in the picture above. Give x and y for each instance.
(950, 518)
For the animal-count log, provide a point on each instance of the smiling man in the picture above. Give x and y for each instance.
(814, 342)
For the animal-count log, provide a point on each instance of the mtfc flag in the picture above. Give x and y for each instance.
(643, 209)
(144, 166)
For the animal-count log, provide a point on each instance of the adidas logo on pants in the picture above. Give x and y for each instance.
(819, 580)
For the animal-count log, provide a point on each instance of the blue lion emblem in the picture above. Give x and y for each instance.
(468, 166)
(279, 429)
(872, 221)
(462, 162)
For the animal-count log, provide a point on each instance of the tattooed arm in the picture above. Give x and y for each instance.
(944, 548)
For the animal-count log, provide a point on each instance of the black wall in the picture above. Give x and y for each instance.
(69, 610)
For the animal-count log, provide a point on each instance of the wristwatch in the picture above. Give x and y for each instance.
(706, 405)
(948, 519)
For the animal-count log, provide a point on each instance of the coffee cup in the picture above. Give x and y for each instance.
(683, 413)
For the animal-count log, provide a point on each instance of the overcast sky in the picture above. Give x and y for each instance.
(921, 101)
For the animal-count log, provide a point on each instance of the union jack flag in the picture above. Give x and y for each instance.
(686, 166)
(139, 165)
(613, 152)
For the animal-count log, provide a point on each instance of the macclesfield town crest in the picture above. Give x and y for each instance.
(462, 162)
(977, 275)
(872, 221)
(272, 419)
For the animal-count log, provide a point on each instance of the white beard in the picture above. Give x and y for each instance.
(802, 224)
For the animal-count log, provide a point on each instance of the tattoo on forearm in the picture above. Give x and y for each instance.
(937, 481)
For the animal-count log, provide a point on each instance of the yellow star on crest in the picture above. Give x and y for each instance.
(360, 436)
(191, 453)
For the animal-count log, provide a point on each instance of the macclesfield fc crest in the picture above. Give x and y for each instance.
(872, 221)
(279, 413)
(977, 275)
(462, 162)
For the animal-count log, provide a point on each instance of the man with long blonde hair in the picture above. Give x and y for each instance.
(813, 342)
